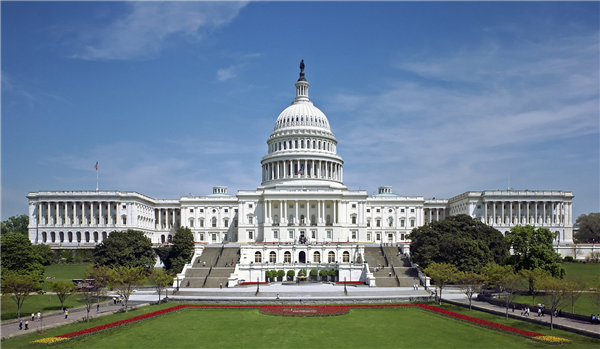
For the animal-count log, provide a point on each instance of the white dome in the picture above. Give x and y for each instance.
(302, 114)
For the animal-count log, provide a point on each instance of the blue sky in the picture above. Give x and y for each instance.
(432, 98)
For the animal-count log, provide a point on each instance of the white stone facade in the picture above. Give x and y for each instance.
(301, 206)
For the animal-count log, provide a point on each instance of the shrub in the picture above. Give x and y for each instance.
(313, 272)
(291, 274)
(568, 259)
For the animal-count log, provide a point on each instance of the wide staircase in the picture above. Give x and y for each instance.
(213, 267)
(395, 268)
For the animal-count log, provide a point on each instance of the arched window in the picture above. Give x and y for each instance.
(214, 222)
(104, 235)
(346, 257)
(44, 236)
(287, 257)
(257, 257)
(390, 222)
(87, 236)
(170, 238)
(272, 257)
(78, 235)
(331, 257)
(95, 236)
(62, 236)
(317, 257)
(70, 235)
(162, 239)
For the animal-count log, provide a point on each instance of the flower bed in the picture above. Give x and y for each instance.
(308, 310)
(253, 283)
(305, 310)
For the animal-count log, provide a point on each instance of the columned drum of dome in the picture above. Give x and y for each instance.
(302, 150)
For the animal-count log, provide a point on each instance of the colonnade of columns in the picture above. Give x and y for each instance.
(303, 168)
(434, 214)
(298, 144)
(167, 218)
(80, 213)
(527, 212)
(282, 214)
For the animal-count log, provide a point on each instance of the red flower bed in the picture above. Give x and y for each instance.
(305, 310)
(351, 282)
(253, 283)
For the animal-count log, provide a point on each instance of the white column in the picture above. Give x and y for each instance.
(297, 215)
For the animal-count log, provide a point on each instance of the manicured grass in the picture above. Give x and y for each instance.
(66, 272)
(583, 305)
(44, 303)
(247, 328)
(587, 272)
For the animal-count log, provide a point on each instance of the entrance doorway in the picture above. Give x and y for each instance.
(302, 257)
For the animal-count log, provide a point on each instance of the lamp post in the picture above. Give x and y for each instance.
(345, 290)
(177, 283)
(593, 243)
(257, 285)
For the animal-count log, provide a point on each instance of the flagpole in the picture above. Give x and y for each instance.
(96, 175)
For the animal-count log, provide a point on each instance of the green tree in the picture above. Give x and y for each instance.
(101, 276)
(574, 289)
(129, 248)
(125, 279)
(534, 277)
(510, 284)
(333, 273)
(291, 274)
(280, 274)
(161, 280)
(441, 274)
(163, 253)
(594, 293)
(63, 290)
(494, 272)
(323, 274)
(589, 227)
(268, 275)
(459, 240)
(19, 256)
(19, 286)
(86, 295)
(470, 283)
(48, 257)
(182, 249)
(555, 294)
(16, 224)
(532, 248)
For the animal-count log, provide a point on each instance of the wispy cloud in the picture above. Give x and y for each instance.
(229, 72)
(149, 26)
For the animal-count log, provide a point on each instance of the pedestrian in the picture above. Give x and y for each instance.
(592, 318)
(188, 284)
(97, 307)
(220, 285)
(513, 307)
(390, 274)
(26, 325)
(539, 312)
(114, 300)
(21, 325)
(32, 317)
(278, 296)
(232, 261)
(66, 314)
(39, 316)
(203, 264)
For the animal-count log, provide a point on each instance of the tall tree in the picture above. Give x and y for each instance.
(16, 224)
(182, 249)
(574, 289)
(125, 279)
(470, 283)
(555, 294)
(532, 248)
(161, 280)
(63, 290)
(510, 284)
(19, 287)
(494, 273)
(589, 227)
(594, 293)
(534, 277)
(459, 240)
(441, 274)
(48, 257)
(129, 248)
(101, 276)
(19, 256)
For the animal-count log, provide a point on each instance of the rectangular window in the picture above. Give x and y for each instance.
(250, 235)
(353, 205)
(201, 236)
(368, 210)
(402, 223)
(214, 237)
(378, 236)
(301, 206)
(235, 223)
(249, 219)
(328, 206)
(249, 205)
(402, 236)
(191, 210)
(412, 223)
(291, 234)
(124, 207)
(368, 222)
(201, 223)
(329, 234)
(235, 210)
(368, 236)
(378, 222)
(201, 210)
(313, 234)
(226, 210)
(226, 223)
(412, 210)
(291, 206)
(311, 206)
(378, 210)
(275, 234)
(401, 210)
(353, 219)
(191, 223)
(353, 235)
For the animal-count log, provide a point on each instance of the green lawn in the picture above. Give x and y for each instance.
(65, 272)
(587, 272)
(246, 328)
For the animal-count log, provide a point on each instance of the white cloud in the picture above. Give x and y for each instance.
(229, 72)
(147, 28)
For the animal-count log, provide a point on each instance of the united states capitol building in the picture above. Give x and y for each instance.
(302, 214)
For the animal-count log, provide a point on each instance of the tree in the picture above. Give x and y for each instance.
(101, 276)
(532, 248)
(323, 274)
(125, 279)
(494, 272)
(470, 283)
(182, 249)
(163, 253)
(534, 277)
(280, 274)
(19, 256)
(574, 289)
(459, 240)
(442, 274)
(589, 227)
(268, 275)
(129, 248)
(291, 274)
(555, 293)
(48, 257)
(333, 273)
(594, 293)
(19, 286)
(313, 274)
(16, 224)
(86, 294)
(509, 284)
(63, 290)
(161, 280)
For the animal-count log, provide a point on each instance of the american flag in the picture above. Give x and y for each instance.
(96, 167)
(300, 170)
